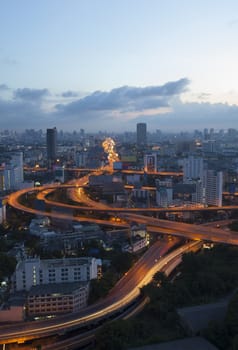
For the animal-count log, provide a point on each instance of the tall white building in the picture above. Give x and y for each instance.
(17, 163)
(14, 172)
(33, 272)
(213, 184)
(209, 183)
(192, 169)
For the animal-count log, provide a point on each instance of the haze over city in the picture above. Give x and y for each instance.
(107, 65)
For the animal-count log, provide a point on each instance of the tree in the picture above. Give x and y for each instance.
(217, 334)
(7, 265)
(114, 335)
(122, 262)
(160, 279)
(100, 288)
(231, 320)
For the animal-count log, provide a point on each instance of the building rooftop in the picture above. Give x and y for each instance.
(56, 288)
(66, 262)
(54, 263)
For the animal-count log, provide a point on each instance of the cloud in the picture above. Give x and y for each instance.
(194, 115)
(126, 98)
(203, 96)
(30, 95)
(69, 94)
(169, 89)
(117, 110)
(15, 114)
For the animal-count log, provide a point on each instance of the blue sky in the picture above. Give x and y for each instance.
(108, 64)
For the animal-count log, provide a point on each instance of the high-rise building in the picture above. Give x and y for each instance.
(51, 143)
(213, 187)
(209, 146)
(141, 134)
(192, 169)
(13, 174)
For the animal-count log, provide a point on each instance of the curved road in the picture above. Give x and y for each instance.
(126, 290)
(129, 214)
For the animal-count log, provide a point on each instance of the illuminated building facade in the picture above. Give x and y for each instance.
(213, 187)
(53, 299)
(150, 162)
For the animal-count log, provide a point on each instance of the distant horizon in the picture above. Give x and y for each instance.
(119, 110)
(108, 132)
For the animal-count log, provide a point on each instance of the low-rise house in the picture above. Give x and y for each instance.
(57, 298)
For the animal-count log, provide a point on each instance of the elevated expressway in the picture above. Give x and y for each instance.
(128, 214)
(129, 287)
(124, 292)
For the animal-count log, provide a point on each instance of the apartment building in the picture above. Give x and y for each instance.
(57, 298)
(34, 271)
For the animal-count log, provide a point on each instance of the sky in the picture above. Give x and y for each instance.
(105, 65)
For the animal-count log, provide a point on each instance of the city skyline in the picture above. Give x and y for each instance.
(108, 65)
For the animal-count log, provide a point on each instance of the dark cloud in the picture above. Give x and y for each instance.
(127, 98)
(69, 94)
(117, 110)
(190, 116)
(169, 89)
(16, 114)
(31, 95)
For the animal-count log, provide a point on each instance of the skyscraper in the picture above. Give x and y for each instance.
(213, 181)
(192, 169)
(51, 139)
(17, 162)
(13, 175)
(141, 134)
